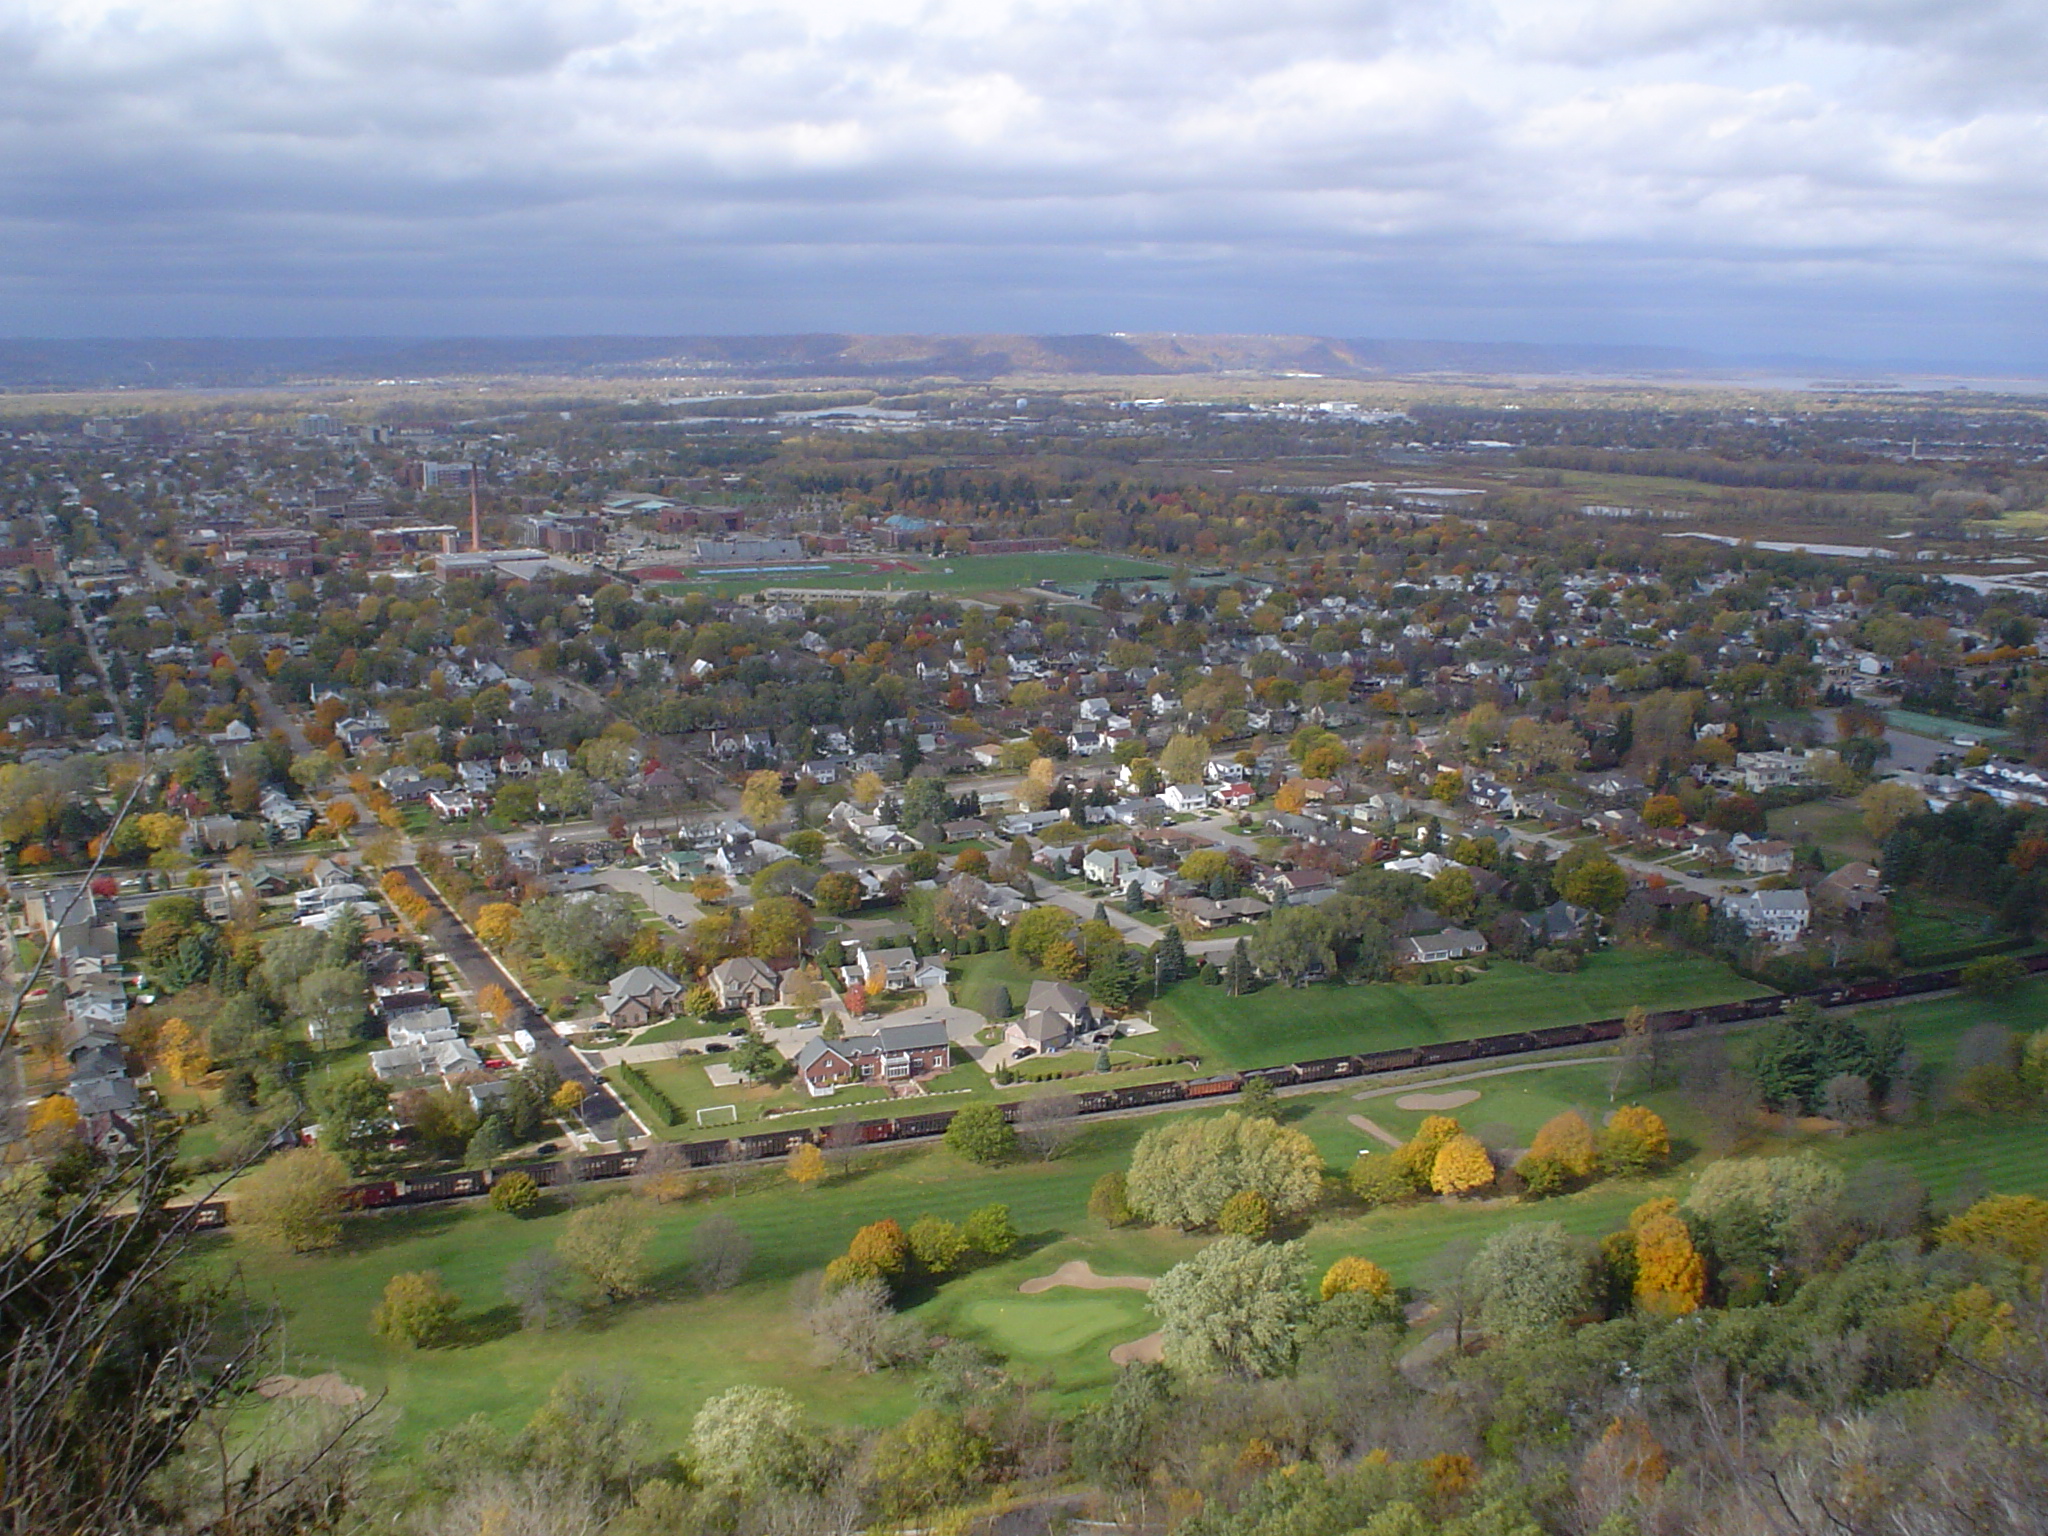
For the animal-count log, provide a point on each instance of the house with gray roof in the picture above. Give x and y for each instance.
(894, 1053)
(1055, 1012)
(640, 996)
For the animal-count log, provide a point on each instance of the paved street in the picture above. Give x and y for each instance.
(602, 1113)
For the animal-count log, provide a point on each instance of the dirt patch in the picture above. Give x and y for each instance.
(1081, 1275)
(1375, 1130)
(1431, 1103)
(1149, 1350)
(324, 1388)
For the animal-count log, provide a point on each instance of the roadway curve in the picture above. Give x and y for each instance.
(601, 1110)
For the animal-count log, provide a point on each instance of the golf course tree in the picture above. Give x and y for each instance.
(980, 1134)
(1184, 1174)
(417, 1309)
(606, 1243)
(293, 1201)
(1529, 1280)
(755, 1440)
(1564, 1153)
(1233, 1309)
(1793, 1058)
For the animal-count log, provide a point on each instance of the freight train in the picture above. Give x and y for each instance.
(770, 1146)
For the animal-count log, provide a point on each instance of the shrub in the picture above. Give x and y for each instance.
(1417, 1156)
(1377, 1181)
(990, 1231)
(880, 1248)
(416, 1310)
(1245, 1214)
(1993, 976)
(515, 1193)
(1109, 1203)
(1352, 1273)
(1543, 1176)
(1568, 1140)
(936, 1244)
(1634, 1141)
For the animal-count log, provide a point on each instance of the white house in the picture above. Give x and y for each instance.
(1185, 797)
(1781, 916)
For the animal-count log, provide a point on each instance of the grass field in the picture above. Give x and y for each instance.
(1939, 728)
(962, 575)
(1927, 932)
(1282, 1024)
(1834, 825)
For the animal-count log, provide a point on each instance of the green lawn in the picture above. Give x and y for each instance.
(681, 1027)
(679, 1345)
(1283, 1024)
(1928, 932)
(1835, 826)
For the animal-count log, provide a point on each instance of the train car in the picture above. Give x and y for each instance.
(366, 1197)
(1139, 1095)
(1212, 1087)
(877, 1130)
(209, 1215)
(706, 1154)
(1325, 1069)
(908, 1126)
(764, 1145)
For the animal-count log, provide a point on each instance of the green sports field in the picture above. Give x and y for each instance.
(964, 575)
(1283, 1024)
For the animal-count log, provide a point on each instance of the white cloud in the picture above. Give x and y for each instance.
(1199, 140)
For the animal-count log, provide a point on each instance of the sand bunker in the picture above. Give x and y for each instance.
(1149, 1350)
(324, 1388)
(1430, 1103)
(1081, 1275)
(1377, 1131)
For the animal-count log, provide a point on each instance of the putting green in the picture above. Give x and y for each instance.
(1045, 1326)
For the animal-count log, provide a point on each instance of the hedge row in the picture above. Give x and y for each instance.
(663, 1106)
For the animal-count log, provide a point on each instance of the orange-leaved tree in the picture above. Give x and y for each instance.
(1671, 1277)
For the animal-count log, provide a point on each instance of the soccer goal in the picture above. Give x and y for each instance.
(718, 1114)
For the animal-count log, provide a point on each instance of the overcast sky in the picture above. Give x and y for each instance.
(1855, 178)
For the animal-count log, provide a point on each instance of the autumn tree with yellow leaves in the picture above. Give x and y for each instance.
(1462, 1167)
(1352, 1273)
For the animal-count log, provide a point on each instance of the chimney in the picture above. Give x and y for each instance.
(476, 526)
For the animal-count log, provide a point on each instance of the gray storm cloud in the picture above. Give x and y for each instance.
(1865, 177)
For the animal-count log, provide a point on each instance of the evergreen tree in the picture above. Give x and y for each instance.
(1170, 958)
(490, 1142)
(1239, 978)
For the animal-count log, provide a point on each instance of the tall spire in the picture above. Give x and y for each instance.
(476, 525)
